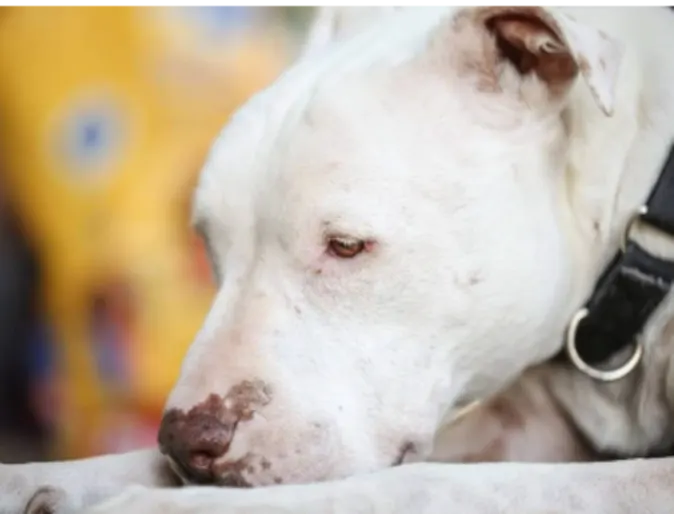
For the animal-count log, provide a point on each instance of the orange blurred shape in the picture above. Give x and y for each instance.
(107, 116)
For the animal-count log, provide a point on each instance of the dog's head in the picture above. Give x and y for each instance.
(391, 226)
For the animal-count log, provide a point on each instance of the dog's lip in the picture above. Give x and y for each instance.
(178, 471)
(227, 481)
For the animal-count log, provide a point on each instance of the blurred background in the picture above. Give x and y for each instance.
(106, 115)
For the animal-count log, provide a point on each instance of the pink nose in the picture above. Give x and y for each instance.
(194, 441)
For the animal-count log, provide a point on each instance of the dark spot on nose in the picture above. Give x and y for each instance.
(195, 440)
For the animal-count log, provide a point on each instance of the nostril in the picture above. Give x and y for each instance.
(200, 461)
(194, 441)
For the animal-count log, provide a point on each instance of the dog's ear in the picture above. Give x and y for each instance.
(537, 41)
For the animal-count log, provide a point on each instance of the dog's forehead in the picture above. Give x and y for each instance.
(249, 148)
(308, 155)
(357, 118)
(240, 157)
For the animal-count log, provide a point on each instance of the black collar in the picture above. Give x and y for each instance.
(632, 286)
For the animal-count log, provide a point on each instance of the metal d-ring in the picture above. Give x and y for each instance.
(602, 375)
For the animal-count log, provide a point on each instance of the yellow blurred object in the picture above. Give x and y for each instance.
(107, 114)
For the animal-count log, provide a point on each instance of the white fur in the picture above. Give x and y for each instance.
(493, 212)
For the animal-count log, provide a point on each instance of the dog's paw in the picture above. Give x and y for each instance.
(50, 500)
(41, 500)
(134, 499)
(191, 500)
(20, 495)
(24, 489)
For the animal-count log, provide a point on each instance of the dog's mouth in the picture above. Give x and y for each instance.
(178, 471)
(236, 480)
(227, 479)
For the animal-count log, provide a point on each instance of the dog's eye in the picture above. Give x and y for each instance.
(345, 247)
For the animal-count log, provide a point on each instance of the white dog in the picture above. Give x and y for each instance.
(406, 222)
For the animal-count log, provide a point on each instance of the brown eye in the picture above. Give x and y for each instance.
(345, 247)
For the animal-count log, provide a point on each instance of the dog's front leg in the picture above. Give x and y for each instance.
(68, 486)
(599, 488)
